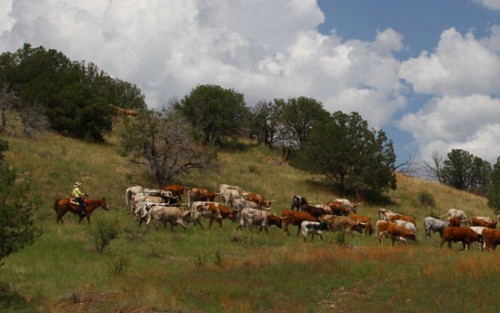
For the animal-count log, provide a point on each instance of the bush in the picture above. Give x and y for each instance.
(102, 233)
(17, 226)
(426, 200)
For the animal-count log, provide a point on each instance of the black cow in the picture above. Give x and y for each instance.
(297, 202)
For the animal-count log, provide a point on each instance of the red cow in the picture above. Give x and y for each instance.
(200, 194)
(295, 218)
(314, 211)
(491, 238)
(176, 190)
(454, 222)
(462, 234)
(396, 232)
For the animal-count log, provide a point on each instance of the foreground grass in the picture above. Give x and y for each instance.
(220, 270)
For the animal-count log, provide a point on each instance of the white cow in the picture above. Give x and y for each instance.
(166, 214)
(432, 224)
(252, 216)
(460, 214)
(129, 194)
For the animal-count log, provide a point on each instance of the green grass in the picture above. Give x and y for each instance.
(223, 270)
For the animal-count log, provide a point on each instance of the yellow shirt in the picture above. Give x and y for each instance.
(76, 192)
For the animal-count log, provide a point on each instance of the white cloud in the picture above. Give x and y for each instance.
(471, 123)
(490, 4)
(461, 65)
(264, 49)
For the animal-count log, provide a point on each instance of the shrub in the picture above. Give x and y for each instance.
(425, 200)
(102, 233)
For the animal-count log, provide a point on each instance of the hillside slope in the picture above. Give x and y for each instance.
(221, 270)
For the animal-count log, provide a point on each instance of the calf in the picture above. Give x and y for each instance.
(312, 228)
(295, 218)
(491, 238)
(396, 232)
(462, 234)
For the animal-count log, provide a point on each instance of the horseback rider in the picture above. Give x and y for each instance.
(78, 194)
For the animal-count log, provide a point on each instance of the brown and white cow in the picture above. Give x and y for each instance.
(460, 214)
(342, 206)
(462, 234)
(396, 232)
(261, 201)
(477, 221)
(224, 212)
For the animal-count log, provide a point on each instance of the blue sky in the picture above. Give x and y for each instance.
(420, 21)
(425, 71)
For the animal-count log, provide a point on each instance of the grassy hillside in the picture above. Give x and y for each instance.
(220, 270)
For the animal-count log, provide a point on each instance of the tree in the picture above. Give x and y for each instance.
(433, 169)
(17, 227)
(164, 140)
(7, 102)
(494, 191)
(464, 171)
(299, 115)
(265, 121)
(77, 99)
(214, 112)
(353, 158)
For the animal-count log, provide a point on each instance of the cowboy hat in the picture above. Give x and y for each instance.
(77, 184)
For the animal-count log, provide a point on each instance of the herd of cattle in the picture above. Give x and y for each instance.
(252, 209)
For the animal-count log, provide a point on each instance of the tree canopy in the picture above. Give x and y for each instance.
(17, 227)
(214, 112)
(494, 191)
(464, 171)
(354, 159)
(78, 99)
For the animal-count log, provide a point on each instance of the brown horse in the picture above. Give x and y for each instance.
(63, 205)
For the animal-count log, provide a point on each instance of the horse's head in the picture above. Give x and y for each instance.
(104, 205)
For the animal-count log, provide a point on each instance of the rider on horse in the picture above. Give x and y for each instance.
(77, 193)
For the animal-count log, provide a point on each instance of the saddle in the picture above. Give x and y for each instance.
(72, 201)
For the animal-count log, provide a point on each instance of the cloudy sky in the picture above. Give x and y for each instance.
(427, 71)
